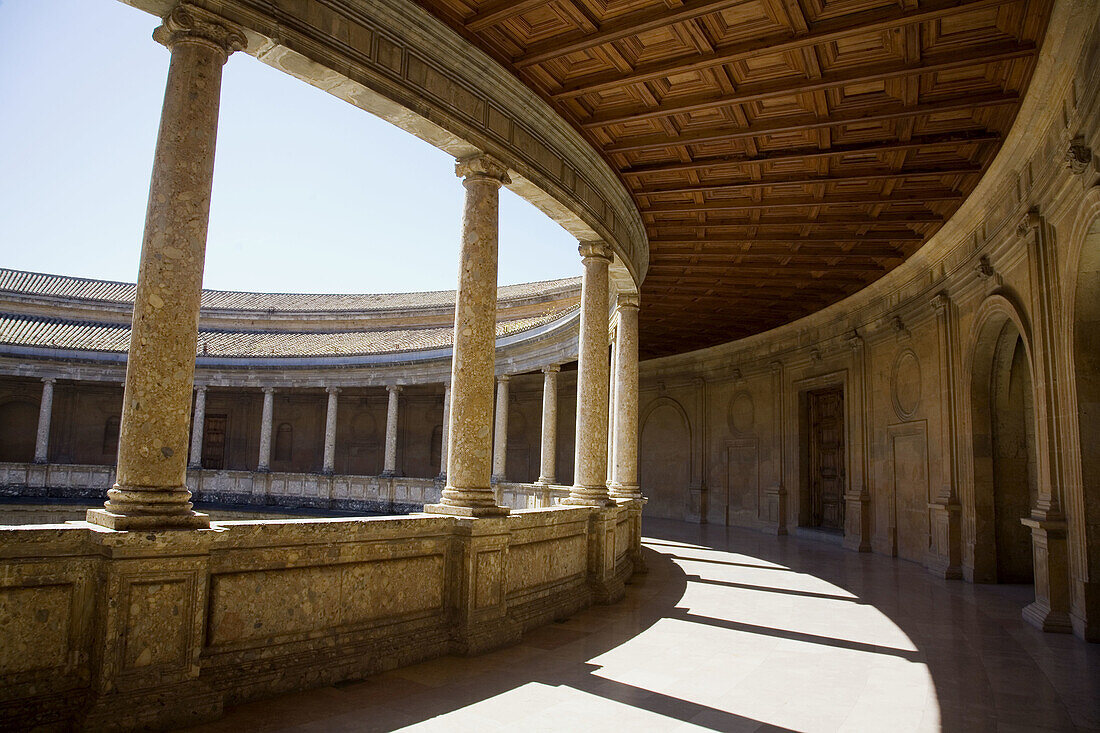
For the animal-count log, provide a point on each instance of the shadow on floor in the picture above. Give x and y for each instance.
(733, 630)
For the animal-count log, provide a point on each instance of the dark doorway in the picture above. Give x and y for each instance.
(826, 464)
(213, 442)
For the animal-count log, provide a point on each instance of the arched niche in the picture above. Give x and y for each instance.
(1003, 478)
(664, 458)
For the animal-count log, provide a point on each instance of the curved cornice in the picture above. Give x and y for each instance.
(396, 61)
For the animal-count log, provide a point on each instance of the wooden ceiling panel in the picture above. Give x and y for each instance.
(782, 153)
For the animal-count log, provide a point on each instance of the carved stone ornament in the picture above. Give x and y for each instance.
(628, 300)
(900, 329)
(985, 270)
(482, 167)
(186, 22)
(1029, 223)
(855, 341)
(594, 249)
(1078, 155)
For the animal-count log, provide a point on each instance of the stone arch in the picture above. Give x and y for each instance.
(1080, 398)
(999, 400)
(18, 429)
(664, 458)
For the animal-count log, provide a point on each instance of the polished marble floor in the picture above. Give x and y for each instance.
(733, 630)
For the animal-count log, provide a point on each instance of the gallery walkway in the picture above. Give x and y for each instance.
(733, 630)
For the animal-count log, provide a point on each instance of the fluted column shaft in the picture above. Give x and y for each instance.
(500, 431)
(469, 463)
(590, 473)
(446, 425)
(624, 484)
(153, 437)
(45, 413)
(390, 466)
(197, 423)
(264, 462)
(330, 430)
(548, 467)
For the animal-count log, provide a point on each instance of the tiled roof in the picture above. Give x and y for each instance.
(106, 291)
(81, 336)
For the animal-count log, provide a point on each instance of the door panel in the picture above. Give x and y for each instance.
(827, 458)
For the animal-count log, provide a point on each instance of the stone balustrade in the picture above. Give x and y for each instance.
(128, 629)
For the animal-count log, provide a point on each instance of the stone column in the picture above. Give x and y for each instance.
(446, 419)
(548, 469)
(590, 472)
(390, 467)
(500, 431)
(152, 455)
(469, 464)
(264, 462)
(45, 412)
(625, 480)
(612, 402)
(330, 430)
(197, 427)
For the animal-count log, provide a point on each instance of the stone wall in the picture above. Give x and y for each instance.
(124, 629)
(973, 362)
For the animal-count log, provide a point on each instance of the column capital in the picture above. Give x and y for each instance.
(200, 387)
(191, 24)
(333, 390)
(482, 167)
(940, 301)
(594, 250)
(504, 378)
(395, 388)
(49, 380)
(268, 390)
(628, 300)
(551, 369)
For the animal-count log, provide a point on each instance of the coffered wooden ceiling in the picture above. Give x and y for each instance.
(783, 153)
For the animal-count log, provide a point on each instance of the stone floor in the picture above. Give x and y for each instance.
(733, 630)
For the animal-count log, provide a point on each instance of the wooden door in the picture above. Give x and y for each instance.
(827, 458)
(213, 442)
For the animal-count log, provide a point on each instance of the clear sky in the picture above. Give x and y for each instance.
(310, 193)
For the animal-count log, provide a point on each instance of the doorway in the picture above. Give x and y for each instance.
(213, 442)
(826, 459)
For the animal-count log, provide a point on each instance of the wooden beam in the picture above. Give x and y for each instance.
(660, 236)
(911, 217)
(728, 248)
(811, 180)
(848, 200)
(622, 27)
(499, 12)
(929, 142)
(982, 54)
(865, 23)
(718, 134)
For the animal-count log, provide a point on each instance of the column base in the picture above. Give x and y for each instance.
(388, 474)
(146, 522)
(625, 491)
(1041, 616)
(596, 501)
(467, 511)
(148, 508)
(1050, 611)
